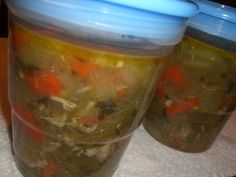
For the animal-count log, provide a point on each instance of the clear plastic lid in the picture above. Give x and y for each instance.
(215, 19)
(162, 20)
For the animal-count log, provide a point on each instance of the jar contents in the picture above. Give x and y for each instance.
(195, 97)
(74, 107)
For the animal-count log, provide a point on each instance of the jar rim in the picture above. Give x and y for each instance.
(108, 16)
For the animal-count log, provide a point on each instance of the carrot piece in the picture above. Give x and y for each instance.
(175, 76)
(82, 68)
(193, 102)
(160, 92)
(30, 126)
(44, 83)
(49, 169)
(122, 92)
(188, 105)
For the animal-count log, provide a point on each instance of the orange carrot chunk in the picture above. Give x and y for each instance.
(160, 92)
(49, 169)
(122, 92)
(83, 69)
(44, 83)
(175, 76)
(188, 105)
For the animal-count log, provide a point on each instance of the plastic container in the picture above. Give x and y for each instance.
(197, 91)
(81, 75)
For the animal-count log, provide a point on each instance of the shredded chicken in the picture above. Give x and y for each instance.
(88, 107)
(168, 103)
(51, 146)
(58, 121)
(83, 90)
(21, 74)
(101, 153)
(38, 164)
(88, 129)
(67, 105)
(91, 152)
(105, 151)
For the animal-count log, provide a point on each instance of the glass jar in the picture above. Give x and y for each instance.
(81, 75)
(197, 90)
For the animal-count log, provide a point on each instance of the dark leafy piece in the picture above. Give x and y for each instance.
(106, 108)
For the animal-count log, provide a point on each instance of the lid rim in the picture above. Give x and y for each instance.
(216, 10)
(166, 7)
(215, 19)
(117, 19)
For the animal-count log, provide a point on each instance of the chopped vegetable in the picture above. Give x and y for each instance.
(175, 76)
(83, 69)
(44, 83)
(49, 169)
(122, 92)
(188, 105)
(161, 93)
